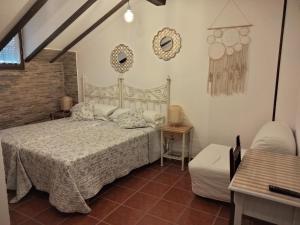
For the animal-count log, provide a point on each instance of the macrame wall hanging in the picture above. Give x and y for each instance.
(228, 53)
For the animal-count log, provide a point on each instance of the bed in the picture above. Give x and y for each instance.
(73, 160)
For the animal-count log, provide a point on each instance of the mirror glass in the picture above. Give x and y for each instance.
(166, 43)
(122, 57)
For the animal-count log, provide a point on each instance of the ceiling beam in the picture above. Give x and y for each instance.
(90, 29)
(22, 22)
(157, 2)
(60, 29)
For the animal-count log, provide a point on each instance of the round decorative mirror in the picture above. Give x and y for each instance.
(166, 44)
(121, 58)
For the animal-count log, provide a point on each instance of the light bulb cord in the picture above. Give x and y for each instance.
(128, 6)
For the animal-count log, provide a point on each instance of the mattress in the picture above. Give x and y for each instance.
(73, 160)
(210, 172)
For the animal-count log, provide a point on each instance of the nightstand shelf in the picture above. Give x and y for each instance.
(60, 115)
(170, 131)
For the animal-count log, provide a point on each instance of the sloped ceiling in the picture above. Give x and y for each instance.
(84, 22)
(49, 18)
(11, 12)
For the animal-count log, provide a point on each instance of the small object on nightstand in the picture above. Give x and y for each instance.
(60, 115)
(171, 131)
(66, 103)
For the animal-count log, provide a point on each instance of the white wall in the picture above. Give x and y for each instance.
(4, 215)
(216, 119)
(290, 67)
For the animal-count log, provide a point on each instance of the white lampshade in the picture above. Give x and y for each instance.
(175, 115)
(129, 16)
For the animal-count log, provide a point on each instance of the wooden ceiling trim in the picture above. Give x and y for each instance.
(157, 2)
(60, 29)
(90, 29)
(22, 22)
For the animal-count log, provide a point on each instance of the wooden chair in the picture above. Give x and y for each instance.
(235, 158)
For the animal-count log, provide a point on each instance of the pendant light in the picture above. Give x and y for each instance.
(129, 16)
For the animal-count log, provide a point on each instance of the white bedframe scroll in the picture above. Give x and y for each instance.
(110, 95)
(156, 99)
(125, 96)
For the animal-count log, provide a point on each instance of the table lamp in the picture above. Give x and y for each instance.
(66, 103)
(175, 115)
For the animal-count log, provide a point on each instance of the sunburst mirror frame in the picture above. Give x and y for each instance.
(176, 43)
(114, 58)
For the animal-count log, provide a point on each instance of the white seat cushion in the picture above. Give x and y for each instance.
(209, 171)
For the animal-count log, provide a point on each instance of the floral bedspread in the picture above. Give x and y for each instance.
(71, 160)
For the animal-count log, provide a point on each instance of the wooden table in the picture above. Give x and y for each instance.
(183, 131)
(250, 184)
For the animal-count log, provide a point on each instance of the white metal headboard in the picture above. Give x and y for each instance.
(157, 99)
(110, 95)
(125, 96)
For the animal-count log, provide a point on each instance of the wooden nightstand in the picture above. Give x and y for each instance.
(169, 131)
(60, 115)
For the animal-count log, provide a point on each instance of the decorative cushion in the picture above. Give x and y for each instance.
(117, 113)
(276, 137)
(153, 118)
(82, 111)
(131, 119)
(101, 111)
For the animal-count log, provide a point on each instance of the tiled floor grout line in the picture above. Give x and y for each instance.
(139, 189)
(159, 199)
(217, 215)
(180, 177)
(29, 218)
(136, 191)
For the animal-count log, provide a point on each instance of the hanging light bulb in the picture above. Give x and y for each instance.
(128, 16)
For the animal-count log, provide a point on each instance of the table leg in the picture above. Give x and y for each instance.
(190, 144)
(239, 203)
(161, 148)
(183, 151)
(296, 220)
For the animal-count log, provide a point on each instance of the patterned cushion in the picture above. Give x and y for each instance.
(82, 111)
(101, 111)
(131, 119)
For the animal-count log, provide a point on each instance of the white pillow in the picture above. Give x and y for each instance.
(102, 112)
(275, 137)
(118, 112)
(153, 118)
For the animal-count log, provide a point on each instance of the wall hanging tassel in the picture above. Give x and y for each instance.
(228, 57)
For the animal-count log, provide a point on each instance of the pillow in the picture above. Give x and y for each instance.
(101, 111)
(153, 118)
(117, 113)
(131, 119)
(275, 137)
(82, 111)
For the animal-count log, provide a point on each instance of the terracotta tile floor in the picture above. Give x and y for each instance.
(147, 196)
